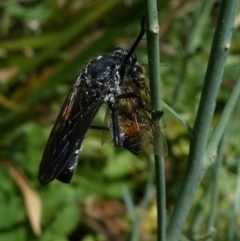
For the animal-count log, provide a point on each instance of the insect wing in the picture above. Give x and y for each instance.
(68, 133)
(141, 132)
(151, 134)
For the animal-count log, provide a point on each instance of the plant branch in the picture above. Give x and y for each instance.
(198, 142)
(155, 87)
(199, 19)
(215, 187)
(178, 117)
(223, 121)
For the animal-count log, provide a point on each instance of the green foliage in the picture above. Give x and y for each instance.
(43, 47)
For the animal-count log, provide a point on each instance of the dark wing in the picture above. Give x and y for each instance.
(74, 119)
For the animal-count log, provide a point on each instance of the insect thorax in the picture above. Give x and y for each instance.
(104, 72)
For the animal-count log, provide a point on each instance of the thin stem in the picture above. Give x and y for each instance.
(152, 30)
(199, 19)
(149, 192)
(178, 117)
(223, 121)
(198, 142)
(130, 205)
(233, 226)
(215, 187)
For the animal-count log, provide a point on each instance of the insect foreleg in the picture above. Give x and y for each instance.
(156, 113)
(115, 127)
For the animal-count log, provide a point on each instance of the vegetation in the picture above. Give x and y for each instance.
(43, 47)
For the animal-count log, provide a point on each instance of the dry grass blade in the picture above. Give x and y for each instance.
(11, 105)
(31, 198)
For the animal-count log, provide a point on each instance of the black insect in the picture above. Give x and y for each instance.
(115, 79)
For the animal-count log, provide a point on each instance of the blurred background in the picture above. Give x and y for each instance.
(44, 45)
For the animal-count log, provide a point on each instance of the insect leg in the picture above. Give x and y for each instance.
(100, 128)
(115, 127)
(156, 113)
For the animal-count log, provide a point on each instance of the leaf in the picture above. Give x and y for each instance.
(120, 165)
(66, 220)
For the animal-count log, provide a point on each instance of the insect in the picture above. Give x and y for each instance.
(117, 80)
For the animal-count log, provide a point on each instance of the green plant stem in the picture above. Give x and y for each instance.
(130, 205)
(149, 193)
(199, 19)
(215, 188)
(199, 210)
(198, 142)
(223, 121)
(178, 117)
(212, 150)
(233, 226)
(155, 87)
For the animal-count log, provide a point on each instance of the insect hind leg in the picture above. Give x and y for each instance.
(99, 128)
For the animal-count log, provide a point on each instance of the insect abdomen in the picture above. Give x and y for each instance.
(133, 143)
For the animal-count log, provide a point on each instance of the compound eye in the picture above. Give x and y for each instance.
(133, 58)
